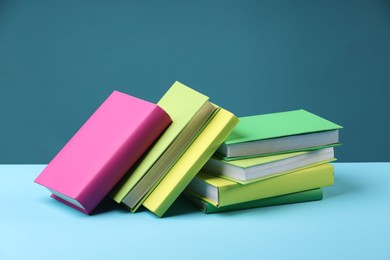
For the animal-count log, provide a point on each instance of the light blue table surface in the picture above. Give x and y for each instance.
(351, 222)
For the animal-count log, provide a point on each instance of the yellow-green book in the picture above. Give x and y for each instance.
(302, 196)
(189, 164)
(221, 192)
(189, 111)
(258, 168)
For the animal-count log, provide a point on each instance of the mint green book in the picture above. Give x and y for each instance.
(190, 111)
(259, 168)
(283, 132)
(303, 196)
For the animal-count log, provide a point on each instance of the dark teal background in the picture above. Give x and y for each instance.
(60, 59)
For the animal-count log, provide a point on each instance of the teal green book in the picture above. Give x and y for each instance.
(276, 133)
(303, 196)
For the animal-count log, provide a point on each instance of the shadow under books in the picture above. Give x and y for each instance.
(343, 185)
(107, 205)
(181, 206)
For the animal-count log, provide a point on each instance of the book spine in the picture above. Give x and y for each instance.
(125, 157)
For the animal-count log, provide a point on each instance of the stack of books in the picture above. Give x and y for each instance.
(269, 159)
(144, 154)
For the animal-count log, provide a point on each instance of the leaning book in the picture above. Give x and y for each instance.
(108, 144)
(191, 161)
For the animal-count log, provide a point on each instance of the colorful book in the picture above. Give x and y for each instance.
(283, 132)
(189, 111)
(221, 192)
(302, 196)
(256, 168)
(103, 150)
(189, 164)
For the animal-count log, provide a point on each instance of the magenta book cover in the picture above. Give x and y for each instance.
(108, 144)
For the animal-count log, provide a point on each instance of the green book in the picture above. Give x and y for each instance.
(221, 192)
(302, 196)
(258, 168)
(275, 133)
(189, 111)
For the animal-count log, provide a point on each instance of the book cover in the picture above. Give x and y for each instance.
(221, 192)
(189, 111)
(258, 168)
(189, 164)
(279, 132)
(302, 196)
(103, 150)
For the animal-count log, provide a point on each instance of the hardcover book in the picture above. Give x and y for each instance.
(256, 168)
(282, 132)
(221, 192)
(189, 111)
(108, 144)
(302, 196)
(189, 164)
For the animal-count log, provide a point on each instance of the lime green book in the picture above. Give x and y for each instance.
(189, 164)
(189, 111)
(282, 132)
(302, 196)
(258, 168)
(221, 192)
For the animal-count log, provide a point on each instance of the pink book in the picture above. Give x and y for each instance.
(108, 144)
